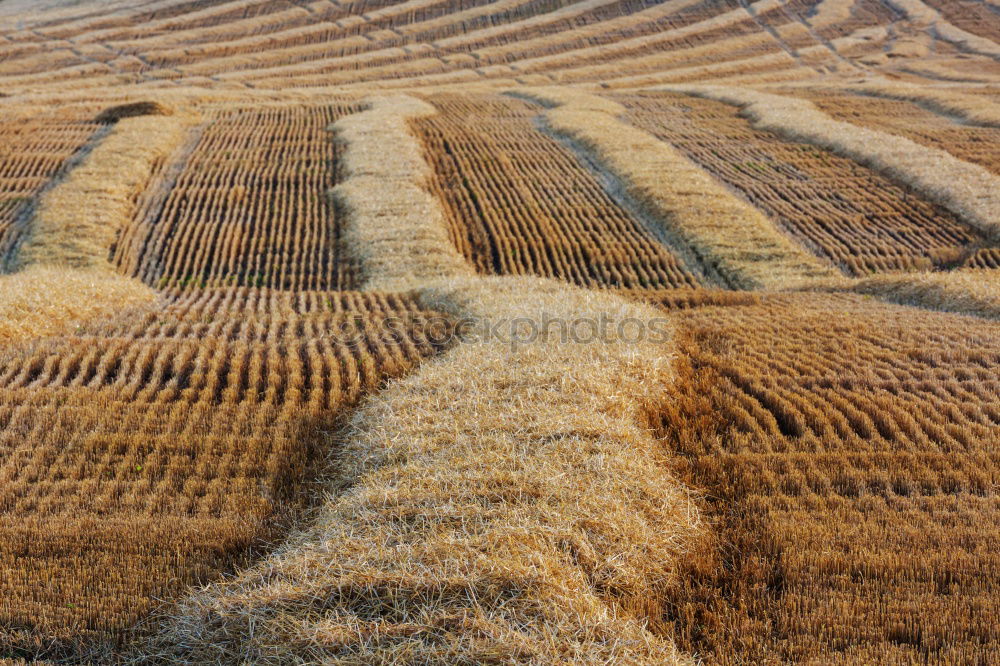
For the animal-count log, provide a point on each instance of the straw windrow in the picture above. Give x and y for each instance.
(968, 190)
(393, 226)
(971, 292)
(77, 222)
(507, 506)
(921, 14)
(66, 277)
(973, 109)
(47, 300)
(731, 237)
(505, 503)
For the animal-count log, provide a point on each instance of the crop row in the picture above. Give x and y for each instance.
(978, 18)
(423, 27)
(978, 145)
(289, 46)
(845, 449)
(842, 211)
(151, 452)
(861, 14)
(32, 151)
(625, 42)
(519, 202)
(247, 207)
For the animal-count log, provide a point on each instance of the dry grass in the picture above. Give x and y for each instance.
(526, 25)
(36, 144)
(849, 215)
(951, 70)
(497, 506)
(424, 42)
(274, 49)
(506, 507)
(587, 34)
(155, 451)
(650, 53)
(731, 238)
(238, 44)
(912, 119)
(575, 98)
(320, 63)
(290, 48)
(973, 109)
(60, 289)
(77, 222)
(972, 292)
(670, 58)
(831, 12)
(919, 13)
(503, 504)
(393, 227)
(149, 452)
(968, 190)
(169, 23)
(760, 67)
(46, 300)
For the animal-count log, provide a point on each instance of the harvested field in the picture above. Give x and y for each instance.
(978, 145)
(732, 239)
(860, 15)
(543, 332)
(32, 152)
(160, 449)
(973, 291)
(284, 45)
(78, 221)
(519, 202)
(845, 449)
(842, 211)
(247, 207)
(469, 489)
(978, 18)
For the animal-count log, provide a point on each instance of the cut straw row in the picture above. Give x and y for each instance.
(65, 275)
(504, 502)
(731, 238)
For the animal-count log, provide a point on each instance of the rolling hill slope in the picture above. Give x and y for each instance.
(499, 331)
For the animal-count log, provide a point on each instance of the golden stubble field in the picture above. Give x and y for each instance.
(507, 332)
